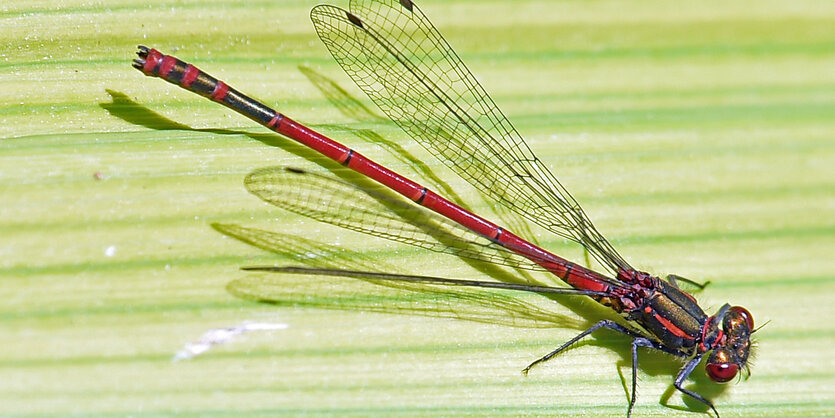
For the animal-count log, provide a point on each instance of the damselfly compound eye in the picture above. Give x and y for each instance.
(745, 315)
(721, 372)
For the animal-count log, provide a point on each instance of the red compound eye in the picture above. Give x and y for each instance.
(742, 312)
(721, 372)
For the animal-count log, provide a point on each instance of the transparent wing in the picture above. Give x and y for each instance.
(395, 54)
(336, 202)
(369, 294)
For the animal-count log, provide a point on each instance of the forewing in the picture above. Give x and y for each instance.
(398, 58)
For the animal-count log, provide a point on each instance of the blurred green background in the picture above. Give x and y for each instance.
(699, 137)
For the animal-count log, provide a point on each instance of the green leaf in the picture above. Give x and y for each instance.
(700, 138)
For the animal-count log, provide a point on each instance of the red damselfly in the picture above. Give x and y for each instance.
(395, 54)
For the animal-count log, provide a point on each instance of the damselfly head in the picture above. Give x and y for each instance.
(731, 353)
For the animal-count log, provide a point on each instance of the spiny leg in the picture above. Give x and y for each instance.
(637, 342)
(606, 323)
(673, 280)
(683, 374)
